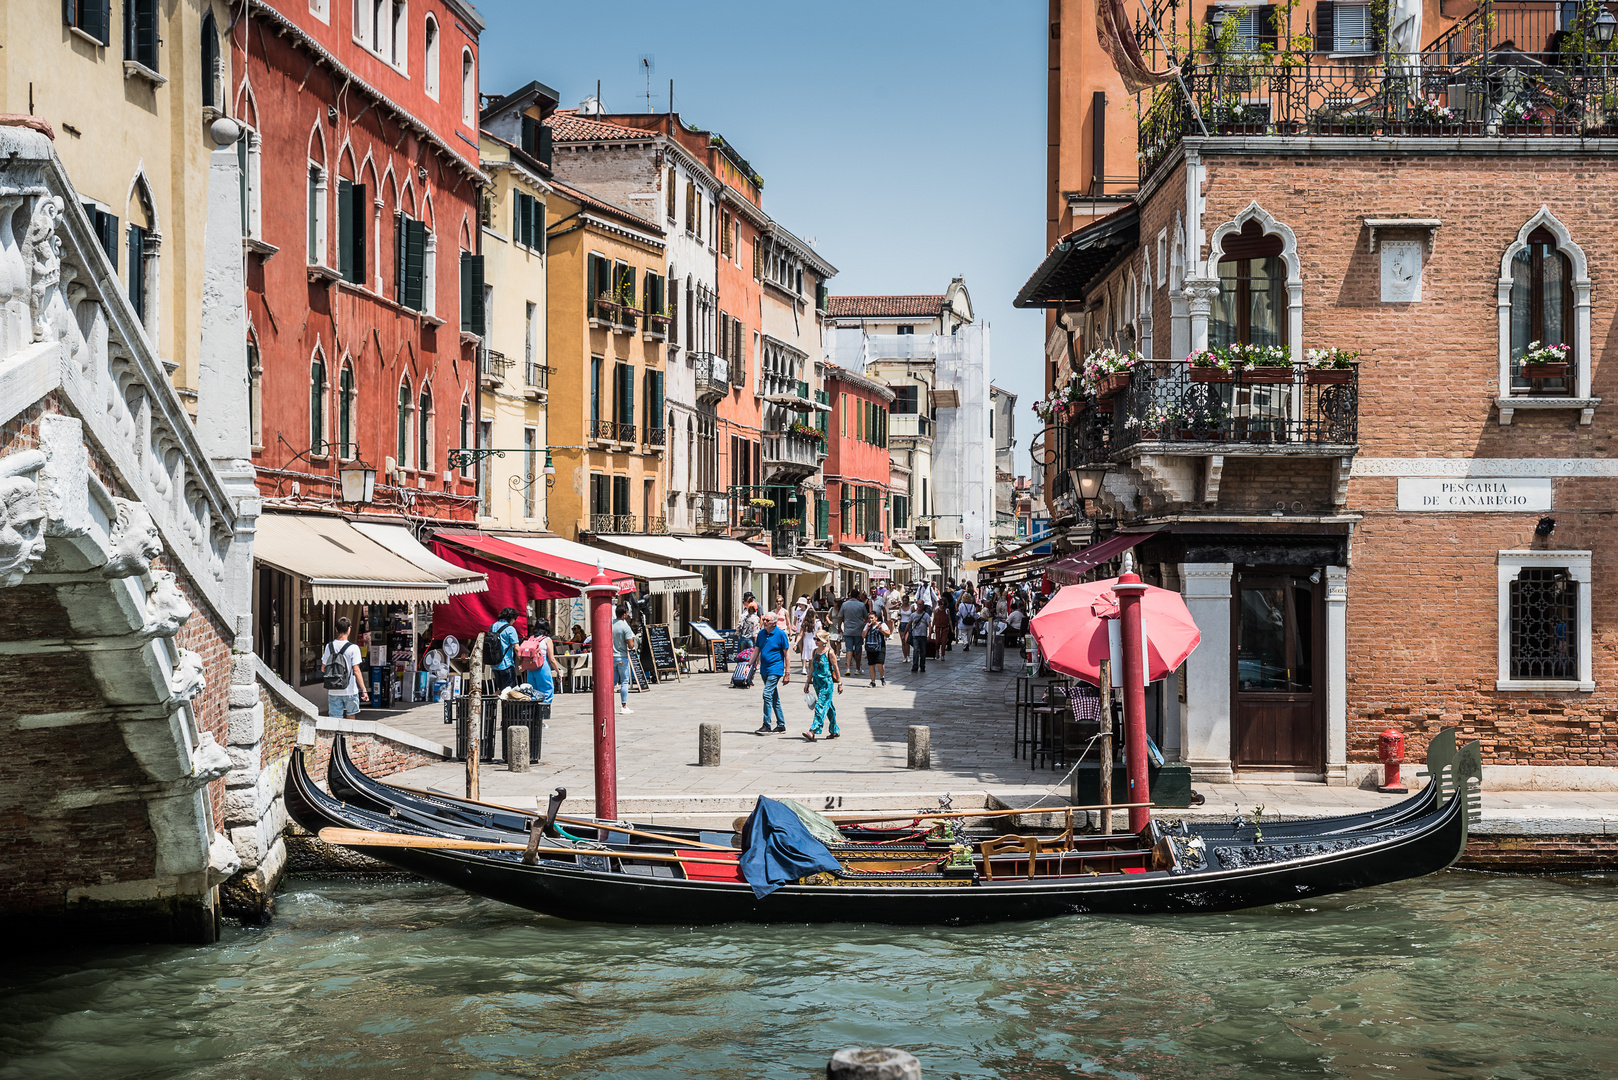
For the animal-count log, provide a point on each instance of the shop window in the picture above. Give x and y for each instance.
(1544, 615)
(1251, 307)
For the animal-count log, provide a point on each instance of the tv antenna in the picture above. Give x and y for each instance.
(648, 64)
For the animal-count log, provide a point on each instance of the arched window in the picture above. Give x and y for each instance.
(466, 431)
(346, 448)
(255, 392)
(404, 425)
(210, 61)
(398, 45)
(430, 76)
(469, 90)
(1541, 303)
(424, 429)
(317, 405)
(1251, 308)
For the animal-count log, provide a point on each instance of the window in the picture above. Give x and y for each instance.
(351, 210)
(424, 430)
(690, 207)
(93, 17)
(530, 445)
(1251, 307)
(596, 364)
(362, 20)
(654, 402)
(210, 69)
(255, 393)
(724, 233)
(248, 158)
(317, 215)
(485, 440)
(623, 395)
(469, 90)
(530, 332)
(402, 443)
(528, 220)
(1544, 612)
(907, 329)
(537, 140)
(345, 413)
(140, 32)
(671, 210)
(845, 416)
(137, 270)
(320, 9)
(317, 406)
(623, 283)
(901, 512)
(429, 35)
(600, 495)
(1254, 26)
(410, 263)
(472, 305)
(1162, 257)
(1541, 288)
(466, 433)
(106, 230)
(398, 45)
(620, 497)
(1344, 28)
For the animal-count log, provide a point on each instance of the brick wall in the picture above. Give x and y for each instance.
(1541, 854)
(375, 755)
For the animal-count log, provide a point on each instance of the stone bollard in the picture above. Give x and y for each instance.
(708, 743)
(886, 1063)
(517, 748)
(921, 747)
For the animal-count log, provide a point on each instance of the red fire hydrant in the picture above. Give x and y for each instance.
(1390, 750)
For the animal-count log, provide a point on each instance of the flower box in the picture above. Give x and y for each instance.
(1108, 385)
(1103, 406)
(1328, 376)
(1211, 374)
(1240, 128)
(1267, 375)
(1545, 371)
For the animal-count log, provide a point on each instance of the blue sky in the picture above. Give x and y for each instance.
(907, 139)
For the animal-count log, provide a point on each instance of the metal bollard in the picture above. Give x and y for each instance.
(708, 743)
(885, 1063)
(517, 748)
(920, 754)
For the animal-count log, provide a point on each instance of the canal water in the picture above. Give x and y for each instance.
(1459, 975)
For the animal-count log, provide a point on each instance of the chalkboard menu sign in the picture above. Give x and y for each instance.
(637, 677)
(662, 645)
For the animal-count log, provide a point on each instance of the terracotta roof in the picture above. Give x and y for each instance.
(568, 125)
(885, 306)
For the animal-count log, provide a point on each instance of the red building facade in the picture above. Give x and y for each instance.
(857, 466)
(361, 225)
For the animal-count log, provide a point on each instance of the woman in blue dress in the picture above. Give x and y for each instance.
(824, 676)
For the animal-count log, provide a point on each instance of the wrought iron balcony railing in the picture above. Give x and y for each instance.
(656, 436)
(601, 523)
(712, 376)
(657, 526)
(609, 431)
(538, 375)
(612, 523)
(1169, 402)
(494, 367)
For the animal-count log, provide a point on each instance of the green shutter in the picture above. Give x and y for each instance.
(472, 293)
(345, 240)
(544, 149)
(415, 265)
(530, 136)
(137, 270)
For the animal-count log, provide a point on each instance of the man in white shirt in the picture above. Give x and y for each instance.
(343, 696)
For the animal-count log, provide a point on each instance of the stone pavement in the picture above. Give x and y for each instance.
(968, 709)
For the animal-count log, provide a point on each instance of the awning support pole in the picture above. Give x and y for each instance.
(601, 593)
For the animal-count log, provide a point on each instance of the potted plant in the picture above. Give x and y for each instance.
(1329, 366)
(1209, 366)
(1520, 118)
(1265, 363)
(1230, 117)
(1426, 112)
(1545, 361)
(1107, 371)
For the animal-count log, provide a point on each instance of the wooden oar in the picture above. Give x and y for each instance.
(364, 838)
(857, 818)
(604, 827)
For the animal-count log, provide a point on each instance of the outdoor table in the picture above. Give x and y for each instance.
(575, 666)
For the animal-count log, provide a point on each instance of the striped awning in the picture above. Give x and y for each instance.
(341, 564)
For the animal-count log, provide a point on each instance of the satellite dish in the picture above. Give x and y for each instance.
(452, 647)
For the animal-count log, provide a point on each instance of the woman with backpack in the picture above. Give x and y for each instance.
(537, 659)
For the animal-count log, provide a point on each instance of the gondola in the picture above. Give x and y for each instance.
(1161, 874)
(351, 784)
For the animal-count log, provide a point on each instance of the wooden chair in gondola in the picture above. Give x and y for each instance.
(1034, 846)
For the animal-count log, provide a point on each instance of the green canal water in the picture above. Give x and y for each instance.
(1458, 975)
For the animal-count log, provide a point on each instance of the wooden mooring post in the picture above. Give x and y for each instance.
(474, 720)
(1104, 796)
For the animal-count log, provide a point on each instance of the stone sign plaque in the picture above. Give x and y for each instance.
(1401, 271)
(1514, 494)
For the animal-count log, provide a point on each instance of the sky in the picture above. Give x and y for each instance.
(906, 139)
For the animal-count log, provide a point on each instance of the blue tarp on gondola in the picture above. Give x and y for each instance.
(777, 849)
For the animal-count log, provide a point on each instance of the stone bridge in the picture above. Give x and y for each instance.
(132, 779)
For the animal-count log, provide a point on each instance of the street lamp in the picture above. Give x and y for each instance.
(359, 482)
(550, 470)
(1087, 482)
(1603, 27)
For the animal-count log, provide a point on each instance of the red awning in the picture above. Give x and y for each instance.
(516, 575)
(1071, 569)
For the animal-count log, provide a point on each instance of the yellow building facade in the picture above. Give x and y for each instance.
(607, 324)
(514, 374)
(131, 88)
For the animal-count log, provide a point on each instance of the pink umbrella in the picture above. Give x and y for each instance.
(1072, 630)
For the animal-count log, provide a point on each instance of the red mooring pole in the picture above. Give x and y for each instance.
(1129, 590)
(601, 593)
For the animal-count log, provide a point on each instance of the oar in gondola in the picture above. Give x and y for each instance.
(366, 838)
(857, 817)
(606, 827)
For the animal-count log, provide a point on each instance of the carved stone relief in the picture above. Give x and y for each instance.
(22, 516)
(166, 607)
(134, 543)
(187, 680)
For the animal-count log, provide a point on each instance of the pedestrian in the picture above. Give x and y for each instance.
(751, 623)
(926, 595)
(876, 647)
(339, 670)
(804, 642)
(854, 612)
(624, 645)
(770, 650)
(503, 647)
(918, 637)
(780, 611)
(941, 628)
(825, 677)
(966, 611)
(879, 601)
(1016, 621)
(536, 658)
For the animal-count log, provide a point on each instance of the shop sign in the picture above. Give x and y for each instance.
(1513, 494)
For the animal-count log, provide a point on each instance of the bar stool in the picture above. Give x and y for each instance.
(1049, 729)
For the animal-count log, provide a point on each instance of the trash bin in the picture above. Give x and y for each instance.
(533, 714)
(486, 735)
(997, 652)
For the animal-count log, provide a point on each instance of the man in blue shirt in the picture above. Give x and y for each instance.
(772, 647)
(500, 652)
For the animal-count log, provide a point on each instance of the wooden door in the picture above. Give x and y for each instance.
(1277, 714)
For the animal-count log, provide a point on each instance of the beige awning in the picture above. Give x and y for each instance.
(342, 564)
(875, 556)
(659, 578)
(398, 539)
(919, 557)
(836, 561)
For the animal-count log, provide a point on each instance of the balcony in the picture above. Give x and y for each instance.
(784, 542)
(656, 438)
(657, 328)
(1510, 68)
(493, 368)
(612, 523)
(657, 526)
(607, 431)
(713, 376)
(909, 426)
(790, 453)
(538, 380)
(712, 511)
